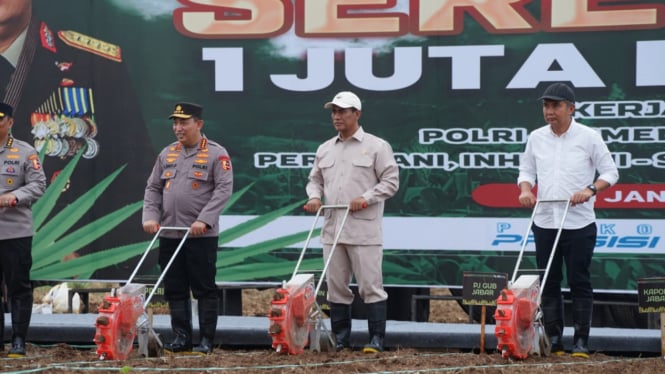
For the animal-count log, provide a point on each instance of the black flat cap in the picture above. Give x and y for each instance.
(558, 92)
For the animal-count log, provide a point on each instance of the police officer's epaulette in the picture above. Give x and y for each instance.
(90, 44)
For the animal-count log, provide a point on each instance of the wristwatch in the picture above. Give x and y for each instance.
(593, 188)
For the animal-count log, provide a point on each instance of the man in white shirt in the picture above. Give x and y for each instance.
(564, 157)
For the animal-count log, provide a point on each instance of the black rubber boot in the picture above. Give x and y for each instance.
(18, 347)
(340, 324)
(207, 325)
(376, 324)
(181, 324)
(582, 312)
(21, 314)
(553, 319)
(205, 346)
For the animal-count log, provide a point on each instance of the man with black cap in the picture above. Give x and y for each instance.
(564, 157)
(22, 182)
(189, 186)
(358, 169)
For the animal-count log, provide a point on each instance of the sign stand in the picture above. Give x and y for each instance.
(651, 299)
(662, 334)
(483, 313)
(482, 289)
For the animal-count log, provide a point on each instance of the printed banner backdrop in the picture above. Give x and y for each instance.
(453, 86)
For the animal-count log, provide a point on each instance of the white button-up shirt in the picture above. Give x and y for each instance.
(563, 165)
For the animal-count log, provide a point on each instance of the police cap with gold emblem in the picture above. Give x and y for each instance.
(6, 110)
(187, 110)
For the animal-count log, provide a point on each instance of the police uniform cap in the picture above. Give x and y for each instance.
(186, 110)
(6, 110)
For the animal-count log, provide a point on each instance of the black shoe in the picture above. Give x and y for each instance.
(556, 346)
(580, 349)
(205, 347)
(179, 344)
(18, 348)
(375, 345)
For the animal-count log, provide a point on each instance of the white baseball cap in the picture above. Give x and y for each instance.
(345, 99)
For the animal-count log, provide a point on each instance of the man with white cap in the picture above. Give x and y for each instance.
(358, 169)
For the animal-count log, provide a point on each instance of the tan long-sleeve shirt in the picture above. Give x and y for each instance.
(362, 165)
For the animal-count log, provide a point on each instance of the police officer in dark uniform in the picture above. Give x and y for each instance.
(22, 182)
(189, 186)
(70, 93)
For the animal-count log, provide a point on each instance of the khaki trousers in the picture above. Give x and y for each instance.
(362, 261)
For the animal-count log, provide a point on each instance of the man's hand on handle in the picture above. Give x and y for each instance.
(151, 226)
(528, 199)
(358, 203)
(581, 197)
(313, 204)
(198, 228)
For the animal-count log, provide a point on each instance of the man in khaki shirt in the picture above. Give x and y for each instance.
(358, 169)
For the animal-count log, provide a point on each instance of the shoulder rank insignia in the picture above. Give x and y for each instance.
(225, 161)
(90, 44)
(47, 38)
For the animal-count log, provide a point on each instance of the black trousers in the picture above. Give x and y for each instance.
(575, 250)
(193, 269)
(15, 264)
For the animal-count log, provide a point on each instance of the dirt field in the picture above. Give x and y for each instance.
(68, 359)
(65, 359)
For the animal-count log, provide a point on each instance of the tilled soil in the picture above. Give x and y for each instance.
(62, 358)
(67, 359)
